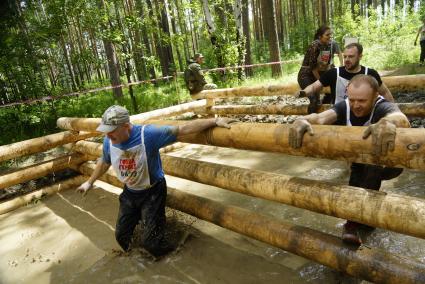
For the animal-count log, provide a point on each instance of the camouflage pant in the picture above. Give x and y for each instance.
(210, 86)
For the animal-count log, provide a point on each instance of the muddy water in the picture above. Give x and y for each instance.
(68, 239)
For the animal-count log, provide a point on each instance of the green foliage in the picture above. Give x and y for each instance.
(387, 41)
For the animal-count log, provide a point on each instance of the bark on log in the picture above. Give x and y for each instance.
(90, 124)
(25, 199)
(329, 142)
(40, 144)
(38, 170)
(394, 212)
(409, 109)
(364, 262)
(394, 83)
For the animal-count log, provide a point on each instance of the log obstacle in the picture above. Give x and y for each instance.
(329, 142)
(394, 212)
(394, 83)
(40, 144)
(25, 199)
(409, 109)
(39, 170)
(90, 124)
(367, 263)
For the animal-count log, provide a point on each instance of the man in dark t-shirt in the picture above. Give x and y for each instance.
(363, 107)
(338, 78)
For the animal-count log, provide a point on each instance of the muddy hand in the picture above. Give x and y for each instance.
(383, 136)
(297, 131)
(84, 188)
(225, 122)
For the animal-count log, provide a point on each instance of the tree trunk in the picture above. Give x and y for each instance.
(112, 61)
(269, 21)
(68, 64)
(247, 35)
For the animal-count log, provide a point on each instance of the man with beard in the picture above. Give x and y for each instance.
(338, 79)
(362, 107)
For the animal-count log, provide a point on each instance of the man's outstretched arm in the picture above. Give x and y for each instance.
(311, 89)
(202, 124)
(99, 170)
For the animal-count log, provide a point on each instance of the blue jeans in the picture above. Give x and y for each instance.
(147, 206)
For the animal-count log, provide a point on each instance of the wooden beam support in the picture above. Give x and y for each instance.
(364, 262)
(41, 144)
(409, 109)
(25, 199)
(407, 83)
(39, 170)
(90, 124)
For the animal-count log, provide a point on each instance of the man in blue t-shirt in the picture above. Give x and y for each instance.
(337, 79)
(133, 152)
(363, 107)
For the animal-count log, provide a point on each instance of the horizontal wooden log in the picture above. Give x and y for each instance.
(95, 149)
(39, 170)
(329, 142)
(367, 263)
(407, 83)
(40, 144)
(90, 124)
(394, 212)
(25, 199)
(409, 109)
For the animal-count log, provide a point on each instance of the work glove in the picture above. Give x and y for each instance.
(296, 132)
(383, 136)
(314, 103)
(84, 188)
(225, 122)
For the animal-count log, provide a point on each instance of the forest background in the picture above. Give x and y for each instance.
(53, 51)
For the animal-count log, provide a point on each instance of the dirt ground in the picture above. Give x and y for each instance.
(69, 239)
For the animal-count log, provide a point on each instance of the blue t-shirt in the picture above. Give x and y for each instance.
(155, 138)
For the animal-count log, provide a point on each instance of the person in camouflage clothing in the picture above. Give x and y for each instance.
(194, 78)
